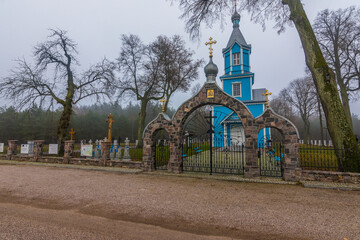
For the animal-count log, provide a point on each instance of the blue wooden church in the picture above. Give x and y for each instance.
(238, 81)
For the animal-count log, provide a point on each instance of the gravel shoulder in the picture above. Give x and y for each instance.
(166, 204)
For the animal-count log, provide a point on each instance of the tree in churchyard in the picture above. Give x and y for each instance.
(300, 94)
(285, 12)
(281, 106)
(338, 33)
(53, 81)
(151, 72)
(177, 68)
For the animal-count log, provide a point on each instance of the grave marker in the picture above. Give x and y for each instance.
(53, 149)
(1, 147)
(24, 149)
(86, 150)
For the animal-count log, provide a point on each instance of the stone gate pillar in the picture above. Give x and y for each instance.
(105, 152)
(12, 148)
(38, 149)
(68, 150)
(175, 164)
(251, 168)
(292, 170)
(148, 155)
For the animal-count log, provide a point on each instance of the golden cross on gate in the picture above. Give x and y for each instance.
(110, 120)
(163, 101)
(72, 132)
(267, 93)
(211, 42)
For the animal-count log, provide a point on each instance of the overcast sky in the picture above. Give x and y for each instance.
(97, 26)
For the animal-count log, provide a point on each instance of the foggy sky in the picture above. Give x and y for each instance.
(97, 26)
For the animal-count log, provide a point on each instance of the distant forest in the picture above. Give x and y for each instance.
(89, 122)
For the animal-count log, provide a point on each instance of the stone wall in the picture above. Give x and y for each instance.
(74, 161)
(329, 176)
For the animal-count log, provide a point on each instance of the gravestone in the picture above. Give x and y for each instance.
(112, 151)
(97, 149)
(24, 149)
(86, 150)
(90, 142)
(31, 147)
(126, 150)
(1, 147)
(53, 149)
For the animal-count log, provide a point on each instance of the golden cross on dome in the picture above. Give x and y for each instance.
(211, 42)
(163, 101)
(235, 3)
(72, 132)
(110, 120)
(267, 93)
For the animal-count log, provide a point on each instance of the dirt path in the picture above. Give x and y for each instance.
(43, 203)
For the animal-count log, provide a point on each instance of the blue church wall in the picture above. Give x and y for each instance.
(246, 60)
(256, 109)
(227, 62)
(245, 87)
(235, 48)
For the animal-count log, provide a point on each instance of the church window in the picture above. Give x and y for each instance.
(236, 87)
(236, 59)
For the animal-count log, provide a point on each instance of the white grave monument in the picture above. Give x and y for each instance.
(86, 150)
(24, 149)
(126, 151)
(53, 149)
(1, 147)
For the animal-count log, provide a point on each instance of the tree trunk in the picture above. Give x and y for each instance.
(63, 126)
(64, 121)
(320, 119)
(345, 102)
(340, 131)
(142, 117)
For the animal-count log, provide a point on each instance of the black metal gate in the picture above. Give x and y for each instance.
(213, 154)
(271, 157)
(162, 150)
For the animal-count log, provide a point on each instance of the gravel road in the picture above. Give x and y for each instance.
(52, 203)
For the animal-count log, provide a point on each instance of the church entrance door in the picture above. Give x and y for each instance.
(237, 134)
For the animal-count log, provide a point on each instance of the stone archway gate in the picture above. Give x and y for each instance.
(210, 93)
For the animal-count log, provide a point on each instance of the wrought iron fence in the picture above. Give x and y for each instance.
(327, 158)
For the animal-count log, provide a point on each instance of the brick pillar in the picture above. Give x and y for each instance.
(148, 155)
(68, 150)
(105, 152)
(251, 168)
(175, 164)
(38, 149)
(12, 148)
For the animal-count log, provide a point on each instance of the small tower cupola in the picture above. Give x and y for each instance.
(211, 70)
(235, 19)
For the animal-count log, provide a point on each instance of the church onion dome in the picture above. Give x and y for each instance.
(211, 71)
(235, 16)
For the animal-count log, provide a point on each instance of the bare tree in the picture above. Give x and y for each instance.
(281, 106)
(177, 68)
(287, 12)
(35, 85)
(338, 33)
(300, 94)
(151, 72)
